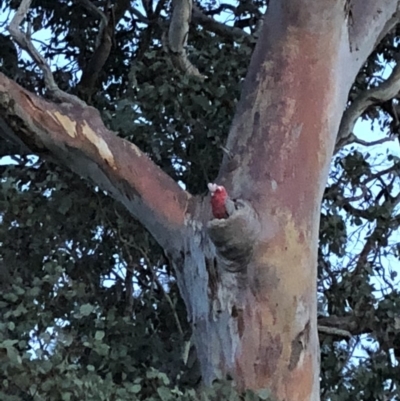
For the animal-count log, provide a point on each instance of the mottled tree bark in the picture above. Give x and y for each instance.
(249, 281)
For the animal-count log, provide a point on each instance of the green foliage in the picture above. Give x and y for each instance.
(89, 308)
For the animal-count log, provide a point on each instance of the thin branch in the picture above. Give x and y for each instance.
(94, 10)
(373, 143)
(220, 9)
(369, 213)
(382, 93)
(109, 19)
(148, 7)
(25, 43)
(218, 28)
(333, 331)
(160, 286)
(371, 242)
(362, 213)
(347, 324)
(120, 8)
(370, 245)
(394, 169)
(103, 48)
(159, 7)
(140, 17)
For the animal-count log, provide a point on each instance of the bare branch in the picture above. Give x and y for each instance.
(75, 136)
(363, 213)
(382, 93)
(353, 139)
(178, 34)
(347, 324)
(218, 28)
(104, 42)
(139, 15)
(94, 10)
(220, 9)
(395, 170)
(333, 331)
(25, 43)
(103, 47)
(153, 272)
(373, 143)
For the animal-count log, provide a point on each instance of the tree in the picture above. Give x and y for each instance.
(248, 282)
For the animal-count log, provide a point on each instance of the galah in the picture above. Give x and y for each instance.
(221, 205)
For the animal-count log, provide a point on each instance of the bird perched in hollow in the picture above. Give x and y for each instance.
(221, 205)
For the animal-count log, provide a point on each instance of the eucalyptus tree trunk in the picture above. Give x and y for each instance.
(248, 281)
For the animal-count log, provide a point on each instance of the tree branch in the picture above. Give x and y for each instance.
(372, 143)
(347, 324)
(370, 21)
(74, 135)
(25, 43)
(94, 10)
(140, 17)
(333, 331)
(220, 8)
(100, 55)
(382, 93)
(178, 34)
(108, 20)
(378, 323)
(218, 28)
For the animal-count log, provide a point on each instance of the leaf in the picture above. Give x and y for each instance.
(10, 297)
(66, 396)
(86, 309)
(202, 101)
(13, 355)
(264, 393)
(164, 393)
(99, 335)
(65, 205)
(135, 388)
(67, 339)
(102, 349)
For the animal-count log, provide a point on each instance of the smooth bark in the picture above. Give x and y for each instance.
(249, 282)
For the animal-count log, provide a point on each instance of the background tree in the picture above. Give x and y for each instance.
(89, 300)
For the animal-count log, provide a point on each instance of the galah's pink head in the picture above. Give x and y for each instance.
(218, 199)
